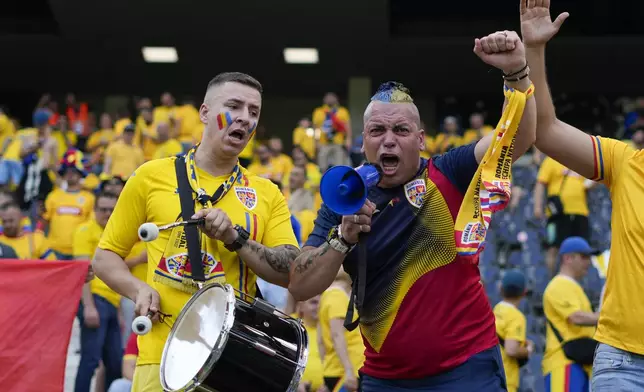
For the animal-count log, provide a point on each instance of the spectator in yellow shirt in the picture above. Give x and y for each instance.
(449, 138)
(312, 380)
(123, 156)
(313, 174)
(477, 129)
(100, 329)
(166, 147)
(342, 350)
(27, 244)
(148, 130)
(511, 328)
(99, 140)
(7, 131)
(304, 136)
(298, 198)
(264, 165)
(281, 162)
(335, 137)
(567, 208)
(67, 208)
(569, 316)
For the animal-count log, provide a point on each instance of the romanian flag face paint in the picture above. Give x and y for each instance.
(252, 128)
(224, 120)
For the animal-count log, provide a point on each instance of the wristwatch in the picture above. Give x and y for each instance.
(242, 237)
(338, 243)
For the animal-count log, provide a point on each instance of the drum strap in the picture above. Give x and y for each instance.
(357, 292)
(187, 210)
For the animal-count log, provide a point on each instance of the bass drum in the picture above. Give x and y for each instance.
(227, 344)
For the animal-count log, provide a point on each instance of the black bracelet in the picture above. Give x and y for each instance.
(516, 73)
(517, 79)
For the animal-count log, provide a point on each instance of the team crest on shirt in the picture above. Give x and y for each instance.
(415, 191)
(474, 233)
(247, 196)
(179, 265)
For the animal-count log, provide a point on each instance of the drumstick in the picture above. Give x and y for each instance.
(150, 232)
(142, 324)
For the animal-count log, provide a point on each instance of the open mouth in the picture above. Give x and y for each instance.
(389, 163)
(237, 134)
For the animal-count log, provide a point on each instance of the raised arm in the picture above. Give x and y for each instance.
(560, 141)
(504, 50)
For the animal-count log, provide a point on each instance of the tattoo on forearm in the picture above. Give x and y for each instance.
(313, 255)
(279, 258)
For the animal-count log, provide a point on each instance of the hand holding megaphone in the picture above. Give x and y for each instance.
(360, 222)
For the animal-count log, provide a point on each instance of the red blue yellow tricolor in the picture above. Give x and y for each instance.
(224, 120)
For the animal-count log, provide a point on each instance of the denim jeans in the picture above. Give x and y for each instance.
(10, 172)
(99, 343)
(616, 370)
(483, 372)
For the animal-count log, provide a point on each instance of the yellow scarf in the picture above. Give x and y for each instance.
(490, 188)
(174, 268)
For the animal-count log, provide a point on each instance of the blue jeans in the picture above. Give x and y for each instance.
(99, 343)
(616, 370)
(10, 172)
(483, 372)
(121, 385)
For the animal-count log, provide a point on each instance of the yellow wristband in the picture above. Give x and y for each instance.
(507, 91)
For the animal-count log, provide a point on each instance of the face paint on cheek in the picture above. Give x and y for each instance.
(224, 120)
(252, 128)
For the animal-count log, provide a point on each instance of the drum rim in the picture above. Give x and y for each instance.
(220, 344)
(303, 355)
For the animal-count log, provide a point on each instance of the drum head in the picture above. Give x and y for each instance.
(198, 338)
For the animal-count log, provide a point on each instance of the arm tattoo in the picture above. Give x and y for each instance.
(279, 258)
(313, 255)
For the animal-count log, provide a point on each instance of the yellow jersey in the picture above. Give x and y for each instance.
(572, 194)
(333, 305)
(30, 246)
(169, 148)
(265, 171)
(7, 131)
(305, 138)
(443, 142)
(150, 196)
(320, 118)
(124, 158)
(164, 114)
(282, 165)
(140, 271)
(472, 135)
(189, 117)
(148, 137)
(313, 370)
(65, 211)
(102, 136)
(621, 169)
(563, 297)
(86, 238)
(510, 324)
(307, 223)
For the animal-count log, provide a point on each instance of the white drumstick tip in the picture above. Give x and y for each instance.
(148, 232)
(141, 325)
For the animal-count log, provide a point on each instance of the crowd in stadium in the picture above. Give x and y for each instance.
(62, 176)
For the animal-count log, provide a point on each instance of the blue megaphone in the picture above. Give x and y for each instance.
(344, 189)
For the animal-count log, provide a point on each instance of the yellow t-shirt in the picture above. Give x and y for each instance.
(86, 238)
(164, 114)
(563, 297)
(189, 117)
(306, 140)
(307, 223)
(7, 131)
(168, 149)
(510, 324)
(98, 137)
(148, 143)
(30, 246)
(149, 196)
(572, 194)
(474, 134)
(65, 211)
(140, 271)
(319, 117)
(124, 158)
(621, 169)
(282, 165)
(313, 370)
(443, 142)
(333, 305)
(265, 171)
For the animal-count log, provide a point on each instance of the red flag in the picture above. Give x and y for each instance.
(38, 302)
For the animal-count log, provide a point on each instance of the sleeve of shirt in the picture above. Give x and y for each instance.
(609, 155)
(516, 328)
(545, 172)
(132, 348)
(562, 302)
(81, 245)
(336, 304)
(458, 165)
(279, 230)
(121, 232)
(49, 206)
(325, 221)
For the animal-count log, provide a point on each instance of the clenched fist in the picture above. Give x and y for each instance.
(503, 50)
(217, 225)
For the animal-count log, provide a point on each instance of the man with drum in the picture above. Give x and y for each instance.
(247, 231)
(425, 319)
